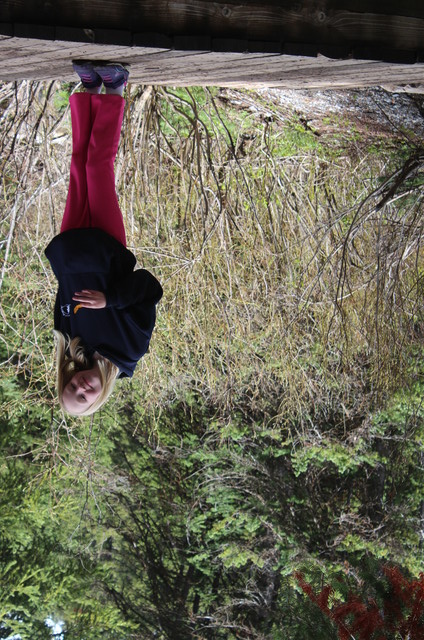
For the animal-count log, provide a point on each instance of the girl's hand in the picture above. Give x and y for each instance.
(90, 299)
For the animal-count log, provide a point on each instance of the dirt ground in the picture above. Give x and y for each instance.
(374, 112)
(373, 109)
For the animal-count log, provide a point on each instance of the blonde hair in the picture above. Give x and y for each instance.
(70, 358)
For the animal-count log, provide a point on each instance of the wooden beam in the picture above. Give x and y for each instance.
(372, 25)
(285, 43)
(51, 59)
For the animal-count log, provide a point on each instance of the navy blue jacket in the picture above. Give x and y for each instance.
(92, 259)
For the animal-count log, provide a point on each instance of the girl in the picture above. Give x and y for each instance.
(105, 311)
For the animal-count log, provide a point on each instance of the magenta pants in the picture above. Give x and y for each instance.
(92, 200)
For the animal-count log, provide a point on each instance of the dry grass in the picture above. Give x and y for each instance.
(288, 291)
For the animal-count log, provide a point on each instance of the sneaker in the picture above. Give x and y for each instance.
(113, 75)
(85, 70)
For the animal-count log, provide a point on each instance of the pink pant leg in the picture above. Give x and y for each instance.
(92, 200)
(77, 213)
(107, 115)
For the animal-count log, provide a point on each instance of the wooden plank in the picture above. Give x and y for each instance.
(396, 31)
(278, 71)
(242, 70)
(118, 12)
(22, 53)
(411, 8)
(329, 21)
(48, 60)
(6, 30)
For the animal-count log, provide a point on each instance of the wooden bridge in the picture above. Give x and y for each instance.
(280, 43)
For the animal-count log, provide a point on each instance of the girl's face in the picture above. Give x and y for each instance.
(82, 390)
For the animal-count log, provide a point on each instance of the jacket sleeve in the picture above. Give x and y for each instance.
(138, 287)
(57, 314)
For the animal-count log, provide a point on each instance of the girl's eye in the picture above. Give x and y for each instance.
(82, 397)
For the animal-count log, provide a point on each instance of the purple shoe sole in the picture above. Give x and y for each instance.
(88, 76)
(112, 75)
